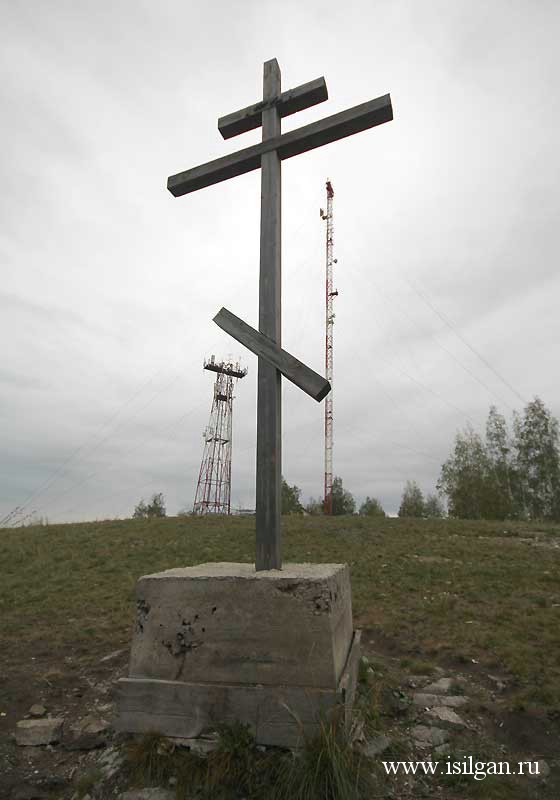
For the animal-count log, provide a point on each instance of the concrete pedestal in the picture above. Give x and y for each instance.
(221, 642)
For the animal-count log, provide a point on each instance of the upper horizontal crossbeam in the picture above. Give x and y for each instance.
(353, 120)
(304, 96)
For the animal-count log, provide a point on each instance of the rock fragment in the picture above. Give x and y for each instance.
(34, 732)
(112, 656)
(446, 717)
(376, 746)
(425, 736)
(498, 682)
(441, 686)
(91, 724)
(429, 700)
(89, 733)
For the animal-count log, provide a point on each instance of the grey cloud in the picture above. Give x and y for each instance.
(19, 380)
(109, 285)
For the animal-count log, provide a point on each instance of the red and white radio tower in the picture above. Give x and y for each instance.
(213, 491)
(329, 295)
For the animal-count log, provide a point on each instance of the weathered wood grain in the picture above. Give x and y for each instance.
(338, 126)
(313, 384)
(269, 385)
(297, 99)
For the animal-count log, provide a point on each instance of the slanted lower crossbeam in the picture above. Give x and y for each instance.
(291, 368)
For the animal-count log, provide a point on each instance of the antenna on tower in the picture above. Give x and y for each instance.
(213, 490)
(329, 322)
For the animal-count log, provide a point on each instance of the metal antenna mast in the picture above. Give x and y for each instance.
(213, 491)
(329, 295)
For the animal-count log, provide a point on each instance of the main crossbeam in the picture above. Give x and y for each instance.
(338, 126)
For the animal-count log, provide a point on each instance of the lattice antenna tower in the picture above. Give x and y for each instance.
(213, 490)
(330, 294)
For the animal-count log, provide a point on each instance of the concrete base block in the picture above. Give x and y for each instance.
(221, 642)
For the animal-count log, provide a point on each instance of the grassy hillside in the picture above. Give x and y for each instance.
(449, 591)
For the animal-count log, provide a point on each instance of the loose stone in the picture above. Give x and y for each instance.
(441, 686)
(376, 746)
(429, 700)
(444, 715)
(34, 732)
(425, 736)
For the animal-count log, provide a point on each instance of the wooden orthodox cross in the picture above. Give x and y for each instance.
(265, 343)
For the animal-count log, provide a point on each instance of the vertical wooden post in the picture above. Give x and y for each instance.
(269, 396)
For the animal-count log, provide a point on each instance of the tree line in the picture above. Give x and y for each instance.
(509, 473)
(342, 502)
(413, 503)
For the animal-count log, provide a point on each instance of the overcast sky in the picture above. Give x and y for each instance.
(446, 233)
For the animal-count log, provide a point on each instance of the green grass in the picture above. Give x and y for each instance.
(88, 781)
(326, 767)
(444, 590)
